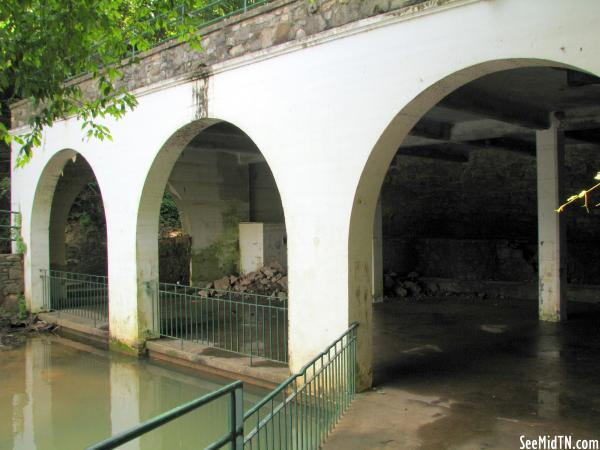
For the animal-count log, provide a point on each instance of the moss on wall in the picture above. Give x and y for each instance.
(222, 257)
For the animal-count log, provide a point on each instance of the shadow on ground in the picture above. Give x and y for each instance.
(465, 373)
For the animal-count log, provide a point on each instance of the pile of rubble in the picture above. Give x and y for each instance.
(402, 287)
(14, 329)
(270, 280)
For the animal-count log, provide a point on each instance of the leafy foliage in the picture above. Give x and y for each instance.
(23, 312)
(45, 43)
(4, 188)
(584, 196)
(4, 217)
(169, 215)
(88, 210)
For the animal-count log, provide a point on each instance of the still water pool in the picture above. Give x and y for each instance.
(58, 394)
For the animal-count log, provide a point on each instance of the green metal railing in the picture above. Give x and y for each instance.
(217, 10)
(249, 324)
(212, 12)
(234, 436)
(304, 409)
(79, 294)
(10, 228)
(299, 414)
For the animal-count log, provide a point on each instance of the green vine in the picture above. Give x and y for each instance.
(583, 196)
(22, 307)
(21, 248)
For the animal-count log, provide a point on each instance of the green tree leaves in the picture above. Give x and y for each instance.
(46, 43)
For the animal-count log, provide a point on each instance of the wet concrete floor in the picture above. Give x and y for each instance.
(465, 373)
(60, 394)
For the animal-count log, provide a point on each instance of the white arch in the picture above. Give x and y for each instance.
(316, 109)
(37, 255)
(148, 216)
(371, 180)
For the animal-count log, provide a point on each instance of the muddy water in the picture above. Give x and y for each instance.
(57, 394)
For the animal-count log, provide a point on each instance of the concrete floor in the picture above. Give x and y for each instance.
(464, 373)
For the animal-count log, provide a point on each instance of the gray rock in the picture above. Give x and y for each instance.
(400, 291)
(222, 284)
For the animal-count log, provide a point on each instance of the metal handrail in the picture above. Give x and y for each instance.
(12, 230)
(301, 372)
(216, 293)
(81, 294)
(76, 276)
(236, 424)
(246, 323)
(316, 396)
(244, 6)
(326, 385)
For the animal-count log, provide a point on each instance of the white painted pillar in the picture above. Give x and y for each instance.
(328, 288)
(132, 274)
(377, 264)
(551, 229)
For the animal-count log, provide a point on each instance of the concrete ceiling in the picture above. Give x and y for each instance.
(500, 111)
(503, 110)
(223, 137)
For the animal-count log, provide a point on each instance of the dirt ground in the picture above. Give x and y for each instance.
(14, 330)
(469, 373)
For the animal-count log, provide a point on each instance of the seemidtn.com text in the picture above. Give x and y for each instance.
(558, 442)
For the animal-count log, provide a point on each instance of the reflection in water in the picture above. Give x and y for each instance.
(56, 394)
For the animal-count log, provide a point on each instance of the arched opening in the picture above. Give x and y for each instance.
(223, 281)
(174, 244)
(68, 240)
(457, 202)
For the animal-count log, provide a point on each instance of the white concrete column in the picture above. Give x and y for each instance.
(317, 289)
(132, 206)
(328, 287)
(551, 229)
(132, 274)
(377, 264)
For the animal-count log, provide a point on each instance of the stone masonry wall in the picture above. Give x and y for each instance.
(275, 23)
(478, 220)
(11, 281)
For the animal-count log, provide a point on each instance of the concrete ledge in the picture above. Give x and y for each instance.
(262, 373)
(77, 328)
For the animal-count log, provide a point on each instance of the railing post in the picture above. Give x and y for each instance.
(236, 420)
(156, 308)
(44, 289)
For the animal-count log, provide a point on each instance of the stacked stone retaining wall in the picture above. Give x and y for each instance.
(11, 281)
(277, 22)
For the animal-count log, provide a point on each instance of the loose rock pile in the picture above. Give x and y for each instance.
(14, 330)
(270, 280)
(408, 286)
